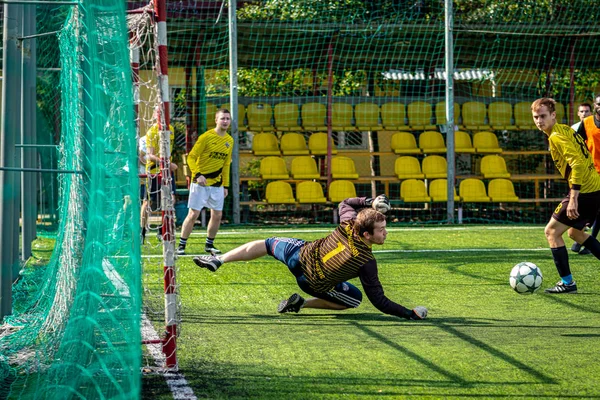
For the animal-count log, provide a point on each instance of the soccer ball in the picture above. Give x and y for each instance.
(525, 278)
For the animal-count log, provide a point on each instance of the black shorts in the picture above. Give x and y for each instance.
(588, 205)
(152, 187)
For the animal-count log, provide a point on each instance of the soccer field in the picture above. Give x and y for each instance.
(481, 339)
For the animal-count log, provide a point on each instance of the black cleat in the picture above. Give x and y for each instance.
(211, 249)
(576, 247)
(180, 251)
(211, 263)
(562, 288)
(293, 304)
(585, 251)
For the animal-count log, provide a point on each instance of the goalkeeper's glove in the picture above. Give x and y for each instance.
(382, 197)
(418, 312)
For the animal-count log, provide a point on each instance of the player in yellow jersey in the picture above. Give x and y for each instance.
(575, 163)
(322, 268)
(209, 162)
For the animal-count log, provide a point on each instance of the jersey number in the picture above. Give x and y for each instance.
(340, 247)
(582, 145)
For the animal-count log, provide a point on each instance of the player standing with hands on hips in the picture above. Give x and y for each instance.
(209, 162)
(575, 163)
(323, 267)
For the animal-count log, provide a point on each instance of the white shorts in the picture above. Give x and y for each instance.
(211, 197)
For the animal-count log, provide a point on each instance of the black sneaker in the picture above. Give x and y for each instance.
(576, 247)
(211, 263)
(209, 248)
(585, 251)
(180, 251)
(293, 304)
(563, 288)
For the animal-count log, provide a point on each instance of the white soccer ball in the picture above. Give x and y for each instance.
(381, 204)
(525, 278)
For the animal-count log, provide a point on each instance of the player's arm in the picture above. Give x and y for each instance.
(370, 282)
(581, 131)
(152, 146)
(193, 158)
(349, 208)
(575, 153)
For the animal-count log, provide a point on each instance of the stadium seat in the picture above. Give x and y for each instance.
(432, 142)
(408, 167)
(500, 116)
(486, 143)
(494, 166)
(304, 167)
(440, 113)
(211, 110)
(367, 117)
(341, 190)
(414, 191)
(419, 116)
(393, 117)
(560, 113)
(523, 116)
(462, 143)
(273, 168)
(259, 117)
(265, 144)
(473, 115)
(279, 192)
(310, 192)
(435, 167)
(438, 191)
(286, 117)
(502, 190)
(341, 117)
(313, 117)
(293, 144)
(404, 143)
(317, 144)
(472, 190)
(343, 168)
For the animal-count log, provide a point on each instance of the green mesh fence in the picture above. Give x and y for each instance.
(74, 331)
(377, 68)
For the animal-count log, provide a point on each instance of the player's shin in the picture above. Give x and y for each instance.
(561, 260)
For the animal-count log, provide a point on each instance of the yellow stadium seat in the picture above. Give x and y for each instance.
(419, 116)
(367, 117)
(273, 168)
(341, 117)
(404, 143)
(265, 144)
(259, 117)
(279, 192)
(343, 168)
(317, 144)
(393, 117)
(560, 113)
(494, 166)
(313, 117)
(304, 167)
(500, 114)
(472, 190)
(414, 191)
(286, 117)
(293, 144)
(435, 167)
(502, 190)
(440, 113)
(310, 192)
(523, 116)
(211, 110)
(438, 191)
(486, 143)
(408, 167)
(462, 143)
(241, 115)
(341, 190)
(432, 142)
(473, 115)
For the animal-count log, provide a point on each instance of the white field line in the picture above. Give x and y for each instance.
(175, 380)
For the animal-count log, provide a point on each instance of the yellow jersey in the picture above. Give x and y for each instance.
(573, 159)
(152, 139)
(211, 158)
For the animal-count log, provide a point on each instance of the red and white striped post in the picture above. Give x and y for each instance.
(168, 221)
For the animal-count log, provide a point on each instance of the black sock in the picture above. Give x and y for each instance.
(593, 245)
(182, 242)
(595, 229)
(209, 242)
(561, 260)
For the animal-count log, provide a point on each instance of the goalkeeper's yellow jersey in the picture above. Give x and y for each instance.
(573, 159)
(152, 139)
(211, 158)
